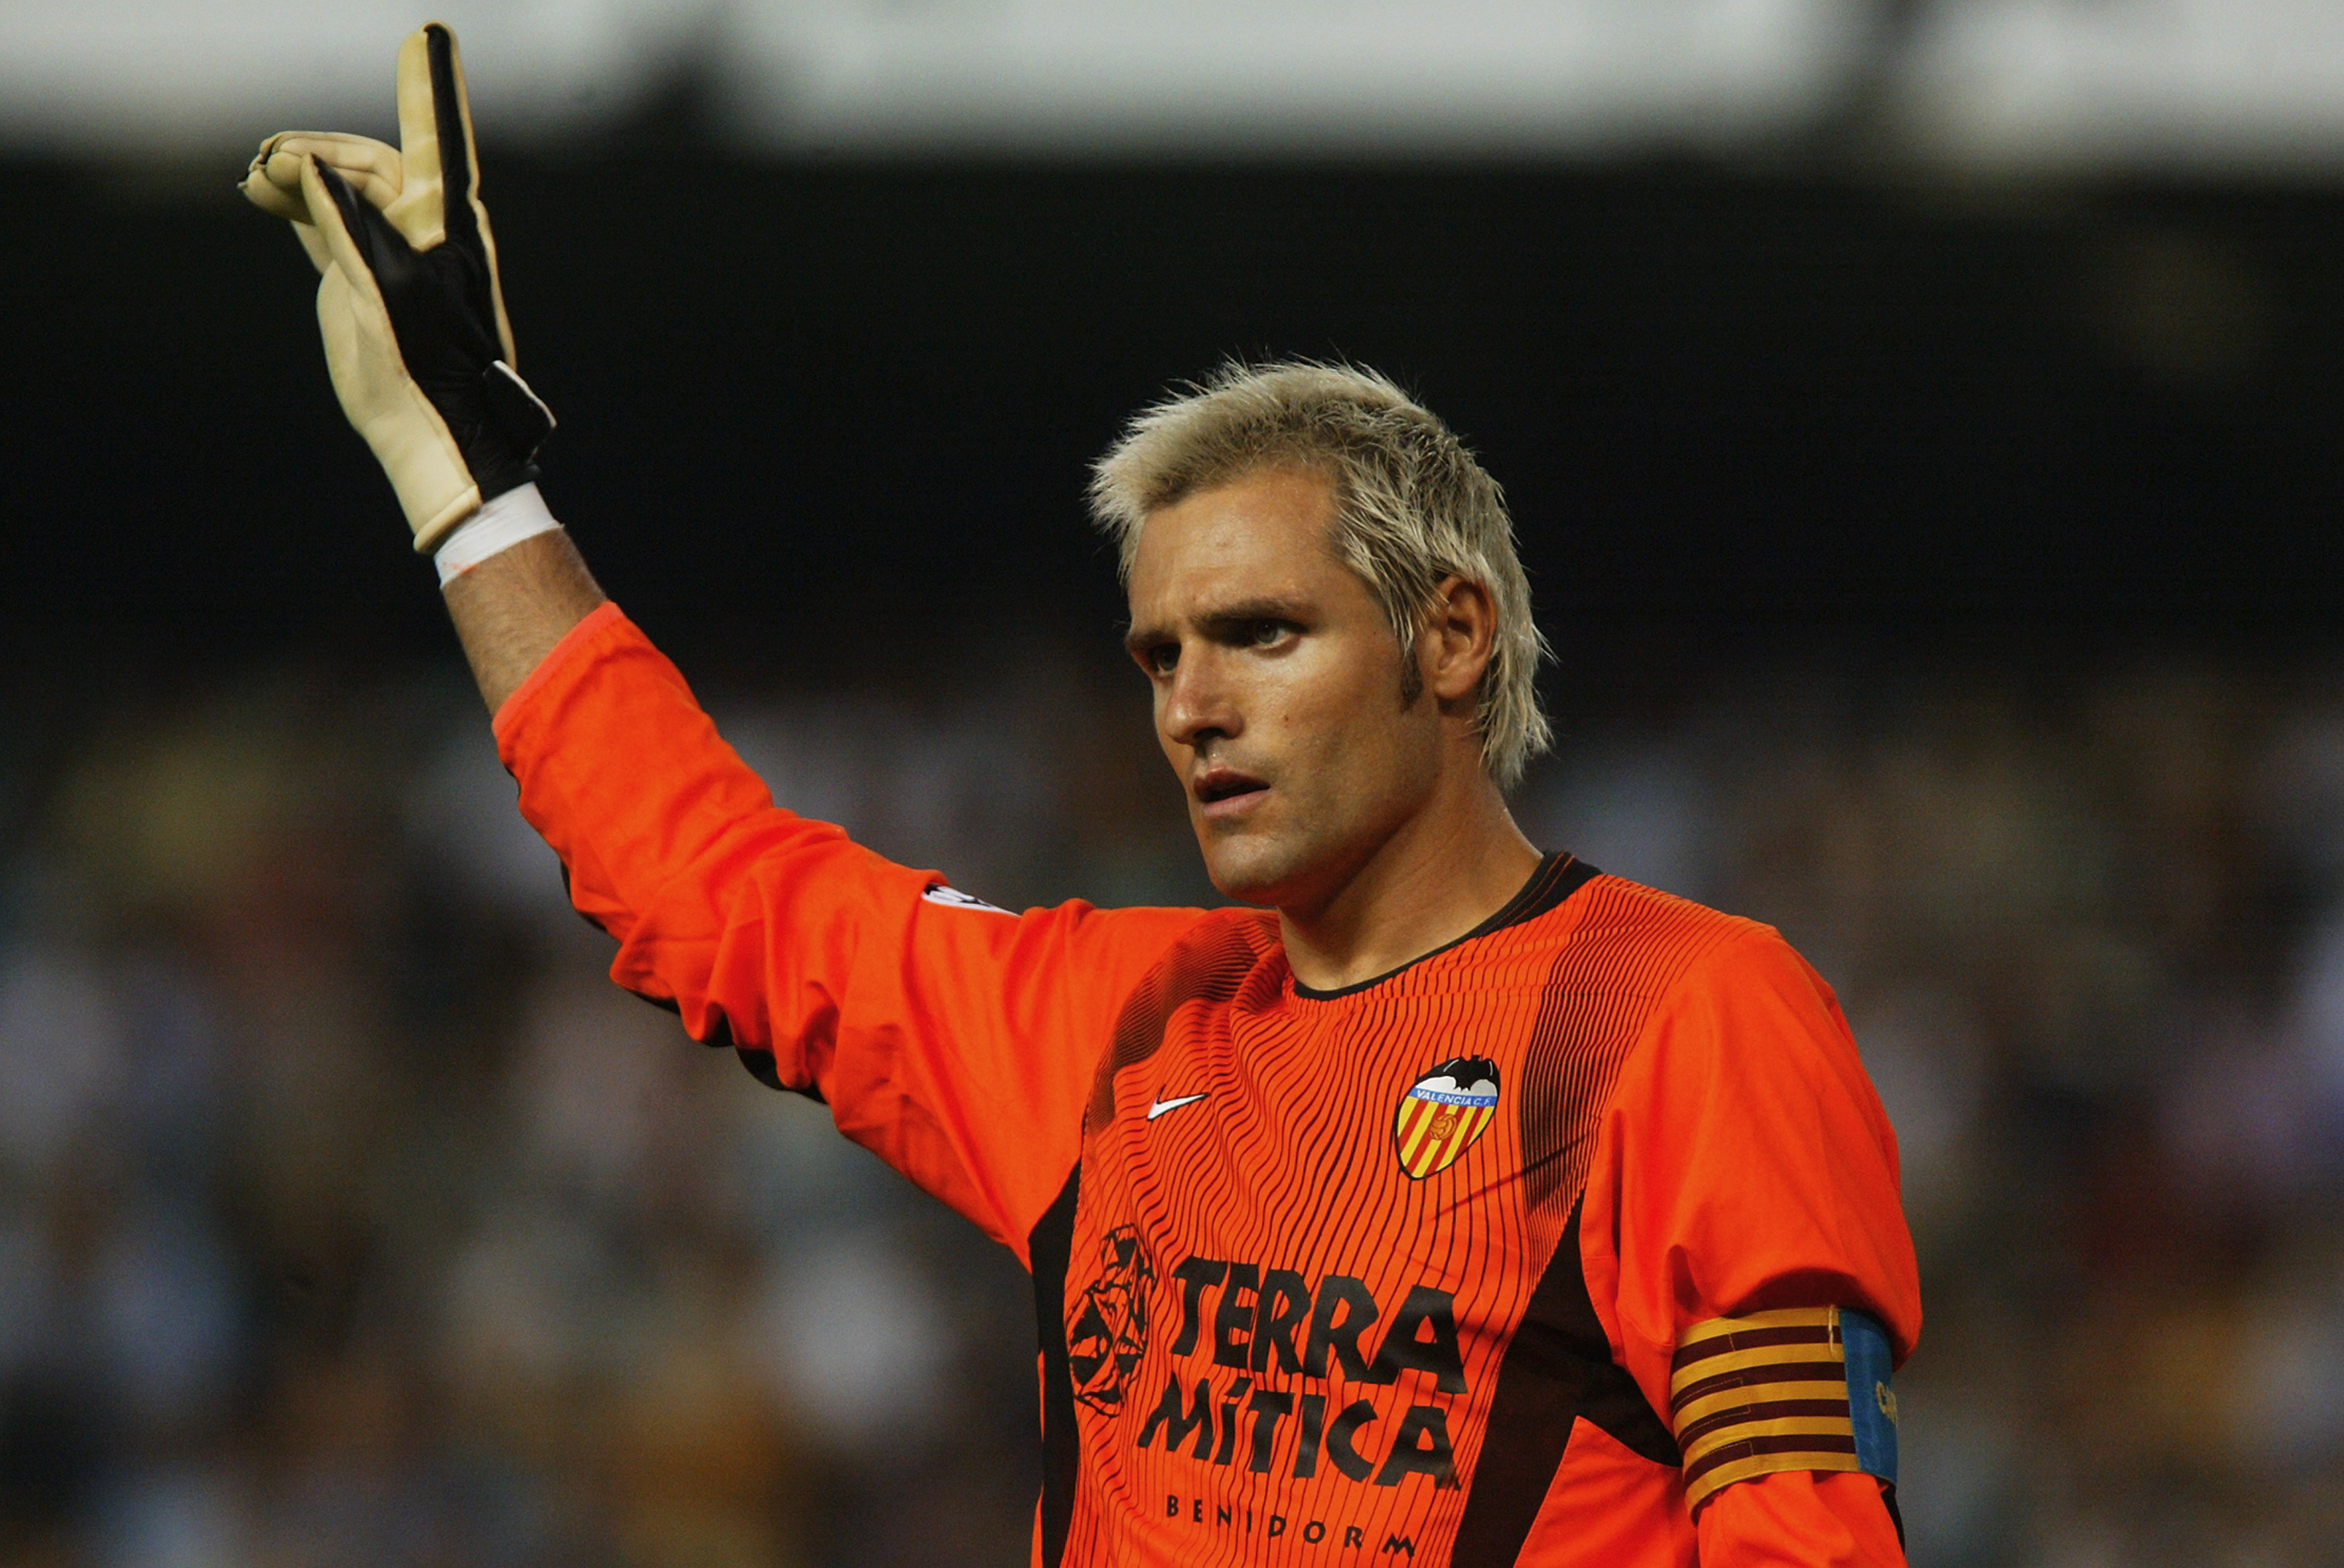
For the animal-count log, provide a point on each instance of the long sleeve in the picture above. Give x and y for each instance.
(1745, 1244)
(955, 1040)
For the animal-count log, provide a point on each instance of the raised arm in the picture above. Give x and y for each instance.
(512, 608)
(422, 357)
(955, 1039)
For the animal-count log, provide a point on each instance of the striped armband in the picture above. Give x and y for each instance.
(1806, 1388)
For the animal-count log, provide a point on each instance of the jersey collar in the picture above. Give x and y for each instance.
(1559, 875)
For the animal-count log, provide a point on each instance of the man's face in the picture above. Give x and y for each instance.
(1277, 689)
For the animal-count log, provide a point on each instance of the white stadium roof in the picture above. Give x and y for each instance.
(1991, 83)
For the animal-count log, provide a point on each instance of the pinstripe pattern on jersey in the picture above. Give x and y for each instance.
(1280, 1191)
(1558, 1370)
(1630, 946)
(1205, 969)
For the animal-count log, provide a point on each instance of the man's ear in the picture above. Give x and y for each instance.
(1461, 632)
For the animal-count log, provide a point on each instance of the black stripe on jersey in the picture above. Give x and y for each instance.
(1050, 1248)
(1557, 1369)
(1557, 877)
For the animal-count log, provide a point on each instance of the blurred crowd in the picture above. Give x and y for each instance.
(349, 1215)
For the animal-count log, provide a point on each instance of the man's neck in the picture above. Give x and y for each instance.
(1443, 874)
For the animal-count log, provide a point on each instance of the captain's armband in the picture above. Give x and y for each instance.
(1803, 1389)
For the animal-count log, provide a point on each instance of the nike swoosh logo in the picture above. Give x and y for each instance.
(1160, 1107)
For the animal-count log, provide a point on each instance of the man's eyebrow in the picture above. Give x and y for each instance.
(1224, 622)
(1248, 612)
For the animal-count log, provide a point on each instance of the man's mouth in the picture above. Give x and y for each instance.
(1217, 785)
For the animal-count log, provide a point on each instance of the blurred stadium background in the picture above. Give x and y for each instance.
(1922, 417)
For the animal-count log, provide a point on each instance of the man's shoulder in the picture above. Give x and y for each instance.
(1618, 933)
(1231, 935)
(1203, 953)
(1620, 908)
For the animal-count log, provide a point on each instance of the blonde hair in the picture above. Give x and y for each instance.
(1411, 508)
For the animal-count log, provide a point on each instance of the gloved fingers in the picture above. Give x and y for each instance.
(273, 183)
(459, 160)
(372, 166)
(271, 197)
(425, 78)
(356, 234)
(280, 197)
(443, 179)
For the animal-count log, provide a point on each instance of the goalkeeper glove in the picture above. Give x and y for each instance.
(414, 322)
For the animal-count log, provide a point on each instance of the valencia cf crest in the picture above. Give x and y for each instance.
(1443, 1113)
(1107, 1333)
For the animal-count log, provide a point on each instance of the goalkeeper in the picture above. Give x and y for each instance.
(1453, 1202)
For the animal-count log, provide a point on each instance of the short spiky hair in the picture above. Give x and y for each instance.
(1411, 508)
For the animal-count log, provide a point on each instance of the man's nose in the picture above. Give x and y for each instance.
(1198, 703)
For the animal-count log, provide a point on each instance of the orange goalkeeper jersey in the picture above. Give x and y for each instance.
(1576, 1242)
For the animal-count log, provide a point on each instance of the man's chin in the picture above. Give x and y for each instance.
(1249, 871)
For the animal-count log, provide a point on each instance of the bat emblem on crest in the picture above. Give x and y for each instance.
(1443, 1113)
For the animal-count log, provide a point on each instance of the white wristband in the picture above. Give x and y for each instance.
(496, 527)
